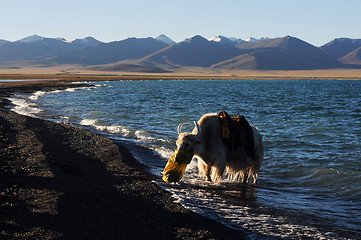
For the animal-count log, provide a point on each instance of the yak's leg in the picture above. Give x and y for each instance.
(245, 176)
(255, 176)
(208, 173)
(212, 165)
(218, 168)
(204, 169)
(254, 171)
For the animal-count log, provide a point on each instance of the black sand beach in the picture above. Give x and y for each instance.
(62, 182)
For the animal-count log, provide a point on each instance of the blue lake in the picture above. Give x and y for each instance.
(310, 180)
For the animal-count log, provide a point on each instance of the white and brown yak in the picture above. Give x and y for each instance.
(220, 143)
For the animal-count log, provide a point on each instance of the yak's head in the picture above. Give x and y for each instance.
(183, 155)
(188, 141)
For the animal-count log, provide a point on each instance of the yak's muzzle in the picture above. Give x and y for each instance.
(176, 166)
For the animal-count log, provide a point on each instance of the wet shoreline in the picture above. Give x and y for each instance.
(63, 182)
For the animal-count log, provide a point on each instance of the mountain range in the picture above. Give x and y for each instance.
(162, 54)
(35, 46)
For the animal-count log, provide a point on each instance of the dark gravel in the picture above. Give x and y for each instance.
(58, 181)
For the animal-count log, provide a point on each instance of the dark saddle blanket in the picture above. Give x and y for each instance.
(237, 134)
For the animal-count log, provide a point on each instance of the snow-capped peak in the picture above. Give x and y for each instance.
(353, 41)
(163, 38)
(37, 38)
(237, 40)
(252, 40)
(216, 38)
(255, 40)
(223, 39)
(33, 38)
(61, 39)
(88, 41)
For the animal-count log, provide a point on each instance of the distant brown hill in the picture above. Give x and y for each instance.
(353, 57)
(128, 67)
(287, 53)
(39, 47)
(340, 47)
(163, 55)
(196, 52)
(103, 53)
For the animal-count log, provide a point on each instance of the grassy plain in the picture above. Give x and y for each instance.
(80, 73)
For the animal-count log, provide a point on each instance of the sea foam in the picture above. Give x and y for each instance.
(24, 107)
(105, 128)
(36, 95)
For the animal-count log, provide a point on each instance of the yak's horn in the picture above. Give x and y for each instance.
(179, 128)
(199, 130)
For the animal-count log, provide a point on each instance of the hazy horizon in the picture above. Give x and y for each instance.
(316, 22)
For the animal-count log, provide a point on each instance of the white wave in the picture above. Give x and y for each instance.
(143, 136)
(110, 129)
(73, 89)
(125, 131)
(163, 152)
(88, 122)
(65, 119)
(55, 91)
(81, 82)
(36, 95)
(70, 90)
(105, 128)
(24, 107)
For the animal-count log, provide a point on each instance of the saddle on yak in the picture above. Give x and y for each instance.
(237, 134)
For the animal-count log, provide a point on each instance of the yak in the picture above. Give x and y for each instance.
(219, 143)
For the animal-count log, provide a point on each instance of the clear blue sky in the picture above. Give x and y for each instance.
(315, 21)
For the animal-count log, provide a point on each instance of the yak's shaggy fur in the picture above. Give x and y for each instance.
(215, 155)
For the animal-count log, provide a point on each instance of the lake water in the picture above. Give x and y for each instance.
(310, 180)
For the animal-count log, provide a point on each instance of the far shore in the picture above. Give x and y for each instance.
(73, 73)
